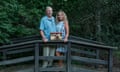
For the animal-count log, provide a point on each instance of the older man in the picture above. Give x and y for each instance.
(47, 25)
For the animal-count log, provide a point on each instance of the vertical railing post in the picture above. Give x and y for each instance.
(4, 55)
(110, 60)
(97, 56)
(36, 58)
(69, 57)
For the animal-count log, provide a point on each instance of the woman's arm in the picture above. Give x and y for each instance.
(67, 30)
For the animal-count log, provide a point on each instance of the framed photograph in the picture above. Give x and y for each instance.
(56, 36)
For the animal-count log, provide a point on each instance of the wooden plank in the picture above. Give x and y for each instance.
(20, 51)
(110, 60)
(32, 42)
(26, 38)
(53, 69)
(15, 45)
(89, 60)
(92, 45)
(50, 69)
(77, 69)
(83, 51)
(20, 47)
(69, 67)
(36, 69)
(17, 48)
(26, 70)
(52, 57)
(97, 56)
(18, 60)
(19, 44)
(84, 39)
(4, 56)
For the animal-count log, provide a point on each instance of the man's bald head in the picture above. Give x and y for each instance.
(49, 11)
(48, 7)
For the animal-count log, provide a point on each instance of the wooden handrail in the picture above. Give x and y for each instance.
(72, 41)
(92, 45)
(30, 42)
(84, 39)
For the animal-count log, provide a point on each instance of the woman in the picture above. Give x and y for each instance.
(63, 27)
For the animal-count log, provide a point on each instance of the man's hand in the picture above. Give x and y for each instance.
(45, 40)
(43, 37)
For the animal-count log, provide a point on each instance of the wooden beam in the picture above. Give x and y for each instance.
(20, 51)
(53, 69)
(36, 57)
(69, 67)
(86, 44)
(110, 60)
(89, 60)
(18, 60)
(52, 57)
(83, 52)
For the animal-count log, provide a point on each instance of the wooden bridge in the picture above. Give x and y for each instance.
(79, 51)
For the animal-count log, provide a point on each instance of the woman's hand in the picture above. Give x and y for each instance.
(66, 39)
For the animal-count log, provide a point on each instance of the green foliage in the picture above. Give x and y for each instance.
(21, 18)
(17, 20)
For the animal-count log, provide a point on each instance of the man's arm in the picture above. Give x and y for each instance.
(42, 31)
(43, 36)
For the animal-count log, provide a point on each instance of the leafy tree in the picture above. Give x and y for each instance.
(93, 19)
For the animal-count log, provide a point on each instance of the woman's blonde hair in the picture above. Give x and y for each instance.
(64, 14)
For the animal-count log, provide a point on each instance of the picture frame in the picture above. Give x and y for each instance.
(56, 36)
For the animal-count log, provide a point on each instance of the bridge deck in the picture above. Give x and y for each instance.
(55, 69)
(30, 69)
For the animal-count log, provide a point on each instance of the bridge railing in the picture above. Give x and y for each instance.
(36, 46)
